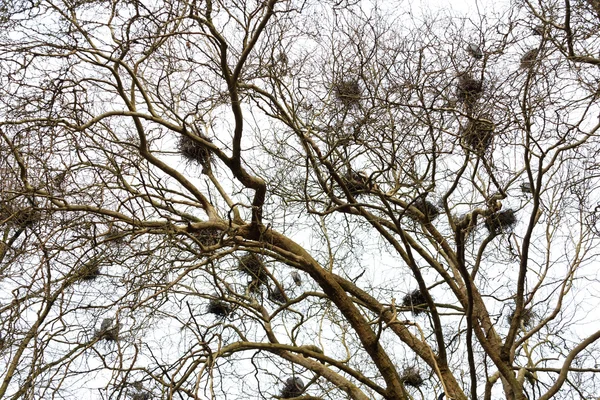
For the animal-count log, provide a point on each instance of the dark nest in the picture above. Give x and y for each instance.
(357, 182)
(528, 60)
(277, 295)
(194, 151)
(253, 266)
(107, 331)
(478, 135)
(527, 318)
(411, 377)
(220, 308)
(90, 270)
(416, 301)
(208, 236)
(17, 216)
(501, 222)
(293, 387)
(348, 92)
(468, 90)
(430, 210)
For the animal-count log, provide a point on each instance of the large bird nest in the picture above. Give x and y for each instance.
(529, 58)
(411, 377)
(357, 182)
(218, 307)
(108, 331)
(90, 270)
(468, 90)
(416, 301)
(253, 266)
(501, 222)
(293, 387)
(527, 317)
(427, 208)
(347, 92)
(208, 236)
(478, 135)
(194, 151)
(15, 216)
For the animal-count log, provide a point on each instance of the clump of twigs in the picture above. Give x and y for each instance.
(357, 182)
(220, 308)
(427, 208)
(416, 301)
(348, 92)
(208, 236)
(194, 151)
(108, 331)
(253, 266)
(277, 295)
(501, 222)
(411, 377)
(468, 90)
(15, 216)
(527, 317)
(90, 270)
(528, 60)
(478, 135)
(293, 387)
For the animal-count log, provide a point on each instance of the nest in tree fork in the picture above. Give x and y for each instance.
(90, 270)
(501, 222)
(427, 208)
(478, 135)
(253, 266)
(293, 387)
(348, 92)
(357, 182)
(411, 377)
(219, 308)
(468, 89)
(416, 301)
(195, 151)
(208, 236)
(527, 317)
(107, 331)
(528, 60)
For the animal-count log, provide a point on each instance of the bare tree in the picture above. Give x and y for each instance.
(294, 199)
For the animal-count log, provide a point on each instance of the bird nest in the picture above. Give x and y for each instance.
(253, 266)
(219, 308)
(478, 135)
(357, 182)
(501, 222)
(89, 271)
(468, 89)
(348, 92)
(415, 301)
(15, 216)
(194, 151)
(208, 236)
(107, 331)
(529, 59)
(427, 208)
(293, 387)
(527, 318)
(411, 377)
